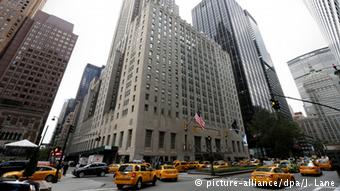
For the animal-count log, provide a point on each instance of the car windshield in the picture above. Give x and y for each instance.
(168, 167)
(263, 170)
(310, 164)
(125, 168)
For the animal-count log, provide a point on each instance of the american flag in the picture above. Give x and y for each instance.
(199, 120)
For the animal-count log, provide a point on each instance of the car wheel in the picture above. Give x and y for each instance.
(81, 174)
(49, 178)
(139, 184)
(154, 181)
(102, 173)
(120, 186)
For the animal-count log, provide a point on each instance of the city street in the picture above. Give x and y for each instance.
(187, 182)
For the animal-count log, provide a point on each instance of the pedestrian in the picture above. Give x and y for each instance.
(65, 167)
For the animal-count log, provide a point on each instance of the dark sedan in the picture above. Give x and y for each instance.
(99, 169)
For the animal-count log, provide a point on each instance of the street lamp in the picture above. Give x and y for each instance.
(211, 156)
(69, 131)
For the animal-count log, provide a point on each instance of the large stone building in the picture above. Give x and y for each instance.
(327, 15)
(163, 71)
(12, 15)
(237, 32)
(31, 70)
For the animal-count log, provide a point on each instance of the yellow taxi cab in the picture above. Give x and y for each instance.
(193, 164)
(203, 164)
(220, 164)
(310, 169)
(181, 166)
(134, 175)
(325, 164)
(113, 168)
(167, 172)
(42, 173)
(271, 176)
(288, 166)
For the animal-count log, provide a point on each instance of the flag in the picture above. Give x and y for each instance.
(199, 120)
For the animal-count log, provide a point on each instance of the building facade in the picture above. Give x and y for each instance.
(327, 15)
(237, 32)
(67, 108)
(12, 15)
(168, 72)
(313, 74)
(32, 68)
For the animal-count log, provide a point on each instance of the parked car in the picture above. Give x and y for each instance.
(12, 166)
(270, 176)
(167, 172)
(134, 175)
(99, 169)
(42, 173)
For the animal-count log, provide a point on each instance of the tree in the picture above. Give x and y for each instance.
(274, 133)
(32, 163)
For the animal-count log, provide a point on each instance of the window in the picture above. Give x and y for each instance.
(147, 96)
(108, 140)
(114, 139)
(233, 144)
(161, 140)
(218, 145)
(146, 107)
(121, 139)
(148, 137)
(129, 139)
(173, 140)
(197, 142)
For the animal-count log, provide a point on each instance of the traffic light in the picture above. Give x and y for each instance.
(275, 104)
(185, 127)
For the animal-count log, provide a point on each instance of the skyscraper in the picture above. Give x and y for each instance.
(30, 73)
(237, 32)
(312, 71)
(12, 15)
(168, 72)
(327, 15)
(314, 76)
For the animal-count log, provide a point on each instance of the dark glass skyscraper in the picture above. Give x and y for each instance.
(90, 72)
(236, 31)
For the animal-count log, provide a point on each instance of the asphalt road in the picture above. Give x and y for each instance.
(187, 182)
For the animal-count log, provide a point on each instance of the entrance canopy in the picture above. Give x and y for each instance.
(23, 143)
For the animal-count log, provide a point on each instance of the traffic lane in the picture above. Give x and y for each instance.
(236, 183)
(72, 183)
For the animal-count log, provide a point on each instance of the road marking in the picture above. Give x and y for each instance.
(100, 189)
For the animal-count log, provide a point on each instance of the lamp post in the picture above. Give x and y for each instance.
(211, 156)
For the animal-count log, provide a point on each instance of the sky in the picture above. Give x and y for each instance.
(286, 26)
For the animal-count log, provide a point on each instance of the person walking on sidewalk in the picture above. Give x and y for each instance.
(65, 167)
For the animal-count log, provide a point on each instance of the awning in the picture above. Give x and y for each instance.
(22, 143)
